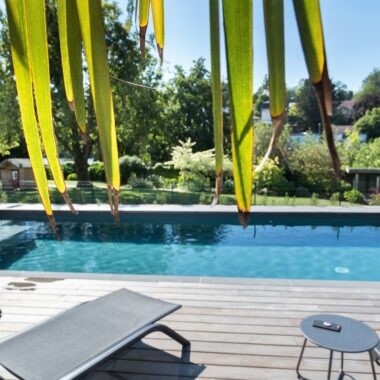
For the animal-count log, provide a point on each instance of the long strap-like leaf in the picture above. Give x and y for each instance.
(39, 67)
(159, 25)
(309, 22)
(144, 6)
(274, 33)
(216, 96)
(91, 23)
(239, 49)
(70, 40)
(20, 57)
(158, 22)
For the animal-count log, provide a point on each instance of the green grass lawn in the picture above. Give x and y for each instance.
(98, 194)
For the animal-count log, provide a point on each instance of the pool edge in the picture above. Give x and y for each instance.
(188, 279)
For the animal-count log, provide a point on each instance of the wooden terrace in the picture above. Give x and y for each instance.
(239, 329)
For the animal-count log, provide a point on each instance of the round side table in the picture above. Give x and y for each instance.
(354, 337)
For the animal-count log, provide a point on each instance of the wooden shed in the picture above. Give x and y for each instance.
(17, 173)
(366, 180)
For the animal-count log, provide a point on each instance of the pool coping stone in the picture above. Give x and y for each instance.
(189, 279)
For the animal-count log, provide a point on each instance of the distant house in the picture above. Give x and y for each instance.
(17, 173)
(346, 108)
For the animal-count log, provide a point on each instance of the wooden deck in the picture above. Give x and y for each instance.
(246, 330)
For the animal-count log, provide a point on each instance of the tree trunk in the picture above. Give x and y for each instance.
(81, 167)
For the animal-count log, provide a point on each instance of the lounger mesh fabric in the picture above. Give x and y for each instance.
(53, 348)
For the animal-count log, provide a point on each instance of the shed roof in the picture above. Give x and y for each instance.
(15, 163)
(375, 171)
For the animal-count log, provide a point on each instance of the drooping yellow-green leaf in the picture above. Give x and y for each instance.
(20, 57)
(310, 27)
(39, 68)
(216, 96)
(309, 22)
(159, 25)
(144, 6)
(91, 23)
(274, 33)
(239, 49)
(70, 40)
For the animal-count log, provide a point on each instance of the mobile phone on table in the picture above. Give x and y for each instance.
(327, 325)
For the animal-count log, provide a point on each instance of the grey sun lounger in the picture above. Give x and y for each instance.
(76, 340)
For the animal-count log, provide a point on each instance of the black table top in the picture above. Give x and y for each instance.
(354, 336)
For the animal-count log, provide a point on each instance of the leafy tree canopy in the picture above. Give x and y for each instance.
(370, 123)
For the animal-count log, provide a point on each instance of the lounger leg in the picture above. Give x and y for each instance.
(165, 330)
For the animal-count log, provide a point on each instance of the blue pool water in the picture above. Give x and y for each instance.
(203, 249)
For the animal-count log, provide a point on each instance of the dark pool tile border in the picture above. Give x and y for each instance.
(192, 280)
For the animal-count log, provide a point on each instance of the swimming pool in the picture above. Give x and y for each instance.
(203, 248)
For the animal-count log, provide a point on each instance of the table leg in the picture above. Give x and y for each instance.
(299, 376)
(341, 372)
(373, 366)
(330, 364)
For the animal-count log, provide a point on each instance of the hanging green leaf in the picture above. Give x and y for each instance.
(309, 22)
(159, 25)
(20, 57)
(144, 6)
(274, 33)
(91, 23)
(39, 68)
(216, 96)
(70, 40)
(239, 49)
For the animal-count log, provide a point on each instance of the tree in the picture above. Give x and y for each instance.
(368, 96)
(10, 124)
(303, 115)
(370, 123)
(188, 108)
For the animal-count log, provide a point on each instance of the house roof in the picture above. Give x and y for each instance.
(15, 163)
(349, 104)
(342, 128)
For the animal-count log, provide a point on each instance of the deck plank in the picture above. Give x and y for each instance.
(247, 330)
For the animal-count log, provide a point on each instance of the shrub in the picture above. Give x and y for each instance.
(132, 164)
(166, 171)
(312, 167)
(314, 200)
(156, 180)
(354, 196)
(228, 186)
(196, 169)
(161, 198)
(3, 197)
(96, 172)
(48, 172)
(139, 183)
(302, 192)
(271, 177)
(375, 200)
(334, 199)
(194, 181)
(72, 177)
(68, 168)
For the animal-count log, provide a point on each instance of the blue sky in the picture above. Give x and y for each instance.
(352, 33)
